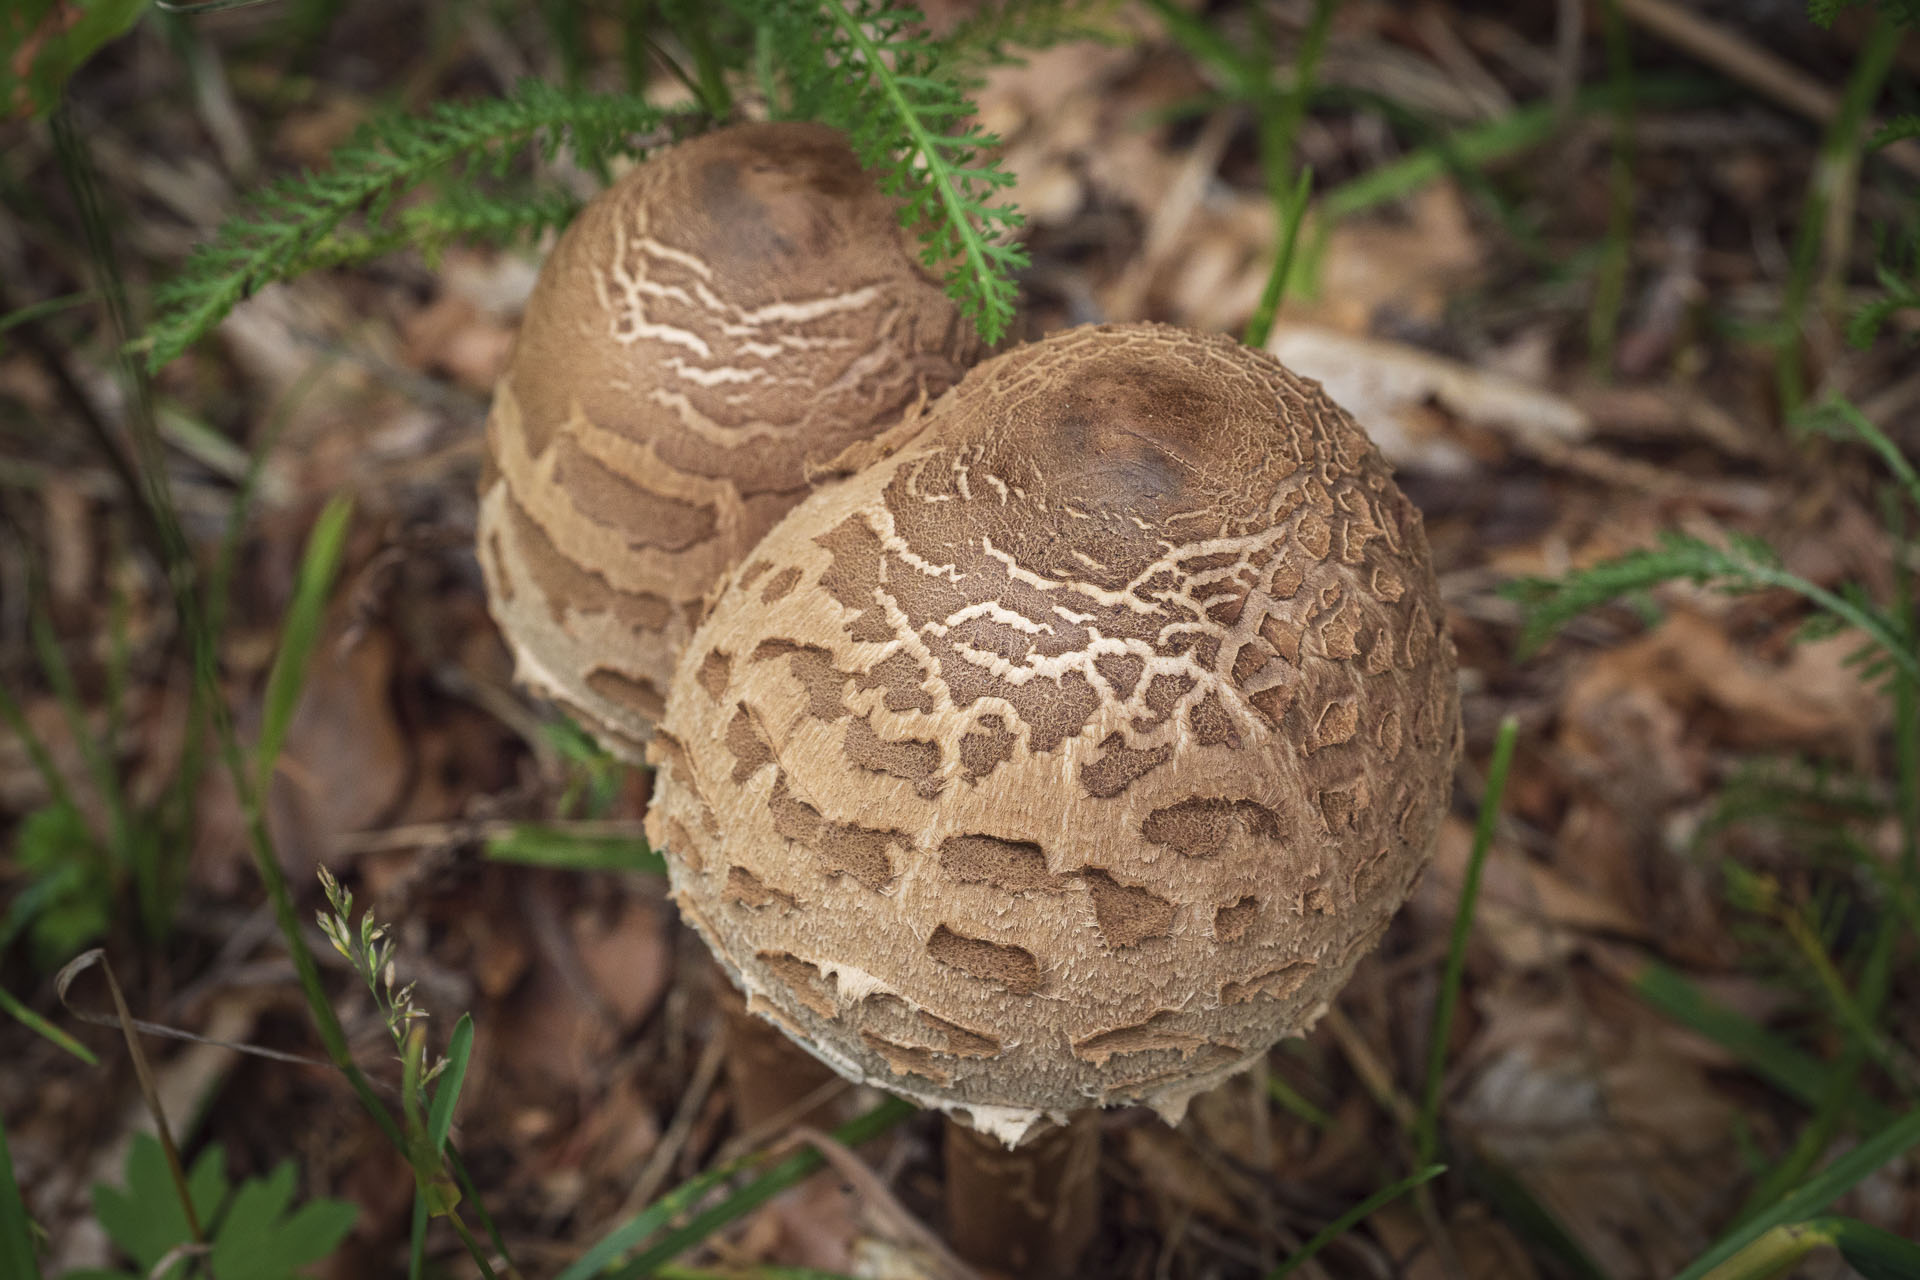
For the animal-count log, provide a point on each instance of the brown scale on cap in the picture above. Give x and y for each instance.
(1157, 646)
(712, 329)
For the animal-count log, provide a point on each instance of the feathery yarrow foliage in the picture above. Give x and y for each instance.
(1895, 130)
(1898, 274)
(1746, 564)
(868, 68)
(1891, 632)
(997, 30)
(1905, 13)
(296, 225)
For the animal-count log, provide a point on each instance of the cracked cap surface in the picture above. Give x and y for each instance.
(1076, 752)
(710, 329)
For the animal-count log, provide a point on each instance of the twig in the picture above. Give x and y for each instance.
(1753, 66)
(692, 1099)
(880, 1200)
(142, 1072)
(1374, 1075)
(421, 835)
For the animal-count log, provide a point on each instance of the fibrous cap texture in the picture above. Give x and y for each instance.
(1075, 752)
(711, 328)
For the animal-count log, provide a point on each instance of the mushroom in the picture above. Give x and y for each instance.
(1096, 732)
(709, 332)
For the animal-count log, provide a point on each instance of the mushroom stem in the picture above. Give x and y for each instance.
(1028, 1212)
(770, 1077)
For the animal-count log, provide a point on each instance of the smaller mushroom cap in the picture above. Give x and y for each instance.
(710, 329)
(1077, 751)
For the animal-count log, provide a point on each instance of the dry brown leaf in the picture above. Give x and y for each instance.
(628, 956)
(1393, 389)
(1812, 700)
(1411, 267)
(69, 546)
(347, 758)
(1528, 911)
(452, 335)
(1486, 1250)
(1627, 1142)
(548, 1044)
(1174, 1175)
(813, 1225)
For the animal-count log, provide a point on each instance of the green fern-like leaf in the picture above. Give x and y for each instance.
(1905, 13)
(1898, 273)
(456, 215)
(1745, 564)
(1839, 419)
(1895, 130)
(296, 224)
(1551, 603)
(995, 33)
(867, 67)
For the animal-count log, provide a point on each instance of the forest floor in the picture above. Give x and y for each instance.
(1453, 309)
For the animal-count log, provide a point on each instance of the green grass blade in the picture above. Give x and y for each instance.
(1838, 419)
(37, 753)
(1610, 282)
(233, 536)
(1292, 214)
(300, 634)
(446, 1093)
(1478, 146)
(1296, 1103)
(1516, 1205)
(95, 754)
(1836, 174)
(1352, 1217)
(1816, 1194)
(11, 1005)
(789, 1171)
(1773, 1254)
(471, 1198)
(417, 1237)
(671, 1272)
(1427, 1129)
(1202, 40)
(535, 845)
(1796, 1074)
(34, 311)
(1280, 117)
(595, 1261)
(1875, 1253)
(17, 1258)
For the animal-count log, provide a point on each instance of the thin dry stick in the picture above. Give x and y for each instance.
(782, 1120)
(891, 1215)
(1567, 37)
(1374, 1075)
(1752, 66)
(692, 1099)
(420, 835)
(142, 1072)
(1260, 1131)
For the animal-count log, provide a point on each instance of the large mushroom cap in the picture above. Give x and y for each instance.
(1076, 752)
(735, 311)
